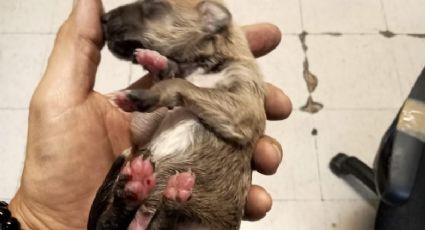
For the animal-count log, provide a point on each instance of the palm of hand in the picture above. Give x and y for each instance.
(69, 155)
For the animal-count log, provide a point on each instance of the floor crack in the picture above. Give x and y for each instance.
(311, 80)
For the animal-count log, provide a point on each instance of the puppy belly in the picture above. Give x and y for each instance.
(175, 134)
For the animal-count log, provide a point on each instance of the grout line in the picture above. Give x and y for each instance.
(13, 109)
(359, 109)
(27, 33)
(384, 14)
(316, 149)
(331, 200)
(301, 14)
(52, 17)
(339, 34)
(310, 79)
(397, 72)
(354, 109)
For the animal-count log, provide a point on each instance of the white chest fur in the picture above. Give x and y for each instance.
(175, 134)
(201, 79)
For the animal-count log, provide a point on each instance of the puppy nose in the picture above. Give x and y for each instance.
(105, 18)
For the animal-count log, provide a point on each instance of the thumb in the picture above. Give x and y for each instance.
(86, 15)
(72, 66)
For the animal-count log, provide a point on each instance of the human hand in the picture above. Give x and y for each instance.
(75, 133)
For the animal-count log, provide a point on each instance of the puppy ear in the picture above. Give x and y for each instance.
(215, 17)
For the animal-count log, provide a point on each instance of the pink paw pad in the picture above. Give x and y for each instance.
(180, 186)
(120, 99)
(151, 60)
(141, 178)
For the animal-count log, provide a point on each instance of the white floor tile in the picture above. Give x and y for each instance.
(13, 130)
(299, 215)
(27, 16)
(354, 132)
(349, 215)
(7, 8)
(405, 16)
(354, 71)
(283, 67)
(22, 60)
(137, 72)
(344, 16)
(284, 13)
(60, 14)
(410, 60)
(113, 74)
(297, 177)
(111, 4)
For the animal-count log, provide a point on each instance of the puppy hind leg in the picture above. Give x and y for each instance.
(134, 184)
(101, 201)
(177, 191)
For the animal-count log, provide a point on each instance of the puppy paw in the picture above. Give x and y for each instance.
(151, 60)
(180, 186)
(143, 100)
(137, 179)
(135, 100)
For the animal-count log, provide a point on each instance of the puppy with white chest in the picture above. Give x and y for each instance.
(195, 170)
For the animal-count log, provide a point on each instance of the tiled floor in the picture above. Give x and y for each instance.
(363, 78)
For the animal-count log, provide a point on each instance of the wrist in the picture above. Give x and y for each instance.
(33, 216)
(8, 218)
(16, 212)
(25, 214)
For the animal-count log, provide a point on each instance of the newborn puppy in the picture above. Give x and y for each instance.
(195, 171)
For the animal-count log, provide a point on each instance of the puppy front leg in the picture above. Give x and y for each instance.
(229, 113)
(158, 65)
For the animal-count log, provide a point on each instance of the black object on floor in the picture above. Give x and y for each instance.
(398, 174)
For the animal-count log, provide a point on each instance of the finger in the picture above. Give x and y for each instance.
(87, 16)
(262, 38)
(277, 104)
(76, 54)
(258, 203)
(267, 156)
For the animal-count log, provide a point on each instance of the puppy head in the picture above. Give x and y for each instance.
(178, 29)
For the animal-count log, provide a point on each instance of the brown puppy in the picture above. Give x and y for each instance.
(210, 82)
